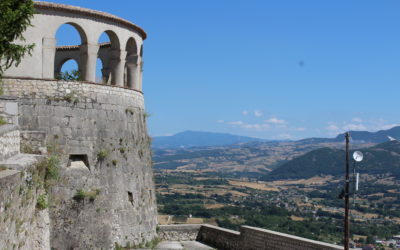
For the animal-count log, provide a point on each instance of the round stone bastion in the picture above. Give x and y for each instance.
(105, 195)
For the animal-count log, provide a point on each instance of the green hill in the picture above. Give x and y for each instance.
(380, 159)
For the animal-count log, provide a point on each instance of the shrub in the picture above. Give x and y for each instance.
(80, 195)
(73, 75)
(102, 154)
(42, 202)
(2, 121)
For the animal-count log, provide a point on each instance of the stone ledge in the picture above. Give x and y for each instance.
(7, 128)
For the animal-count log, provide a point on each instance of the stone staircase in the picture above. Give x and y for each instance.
(11, 157)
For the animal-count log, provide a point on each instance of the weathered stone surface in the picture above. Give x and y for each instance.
(22, 225)
(184, 232)
(9, 141)
(104, 127)
(252, 238)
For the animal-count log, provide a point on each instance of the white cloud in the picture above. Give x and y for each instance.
(258, 113)
(254, 126)
(300, 129)
(388, 126)
(275, 120)
(357, 119)
(333, 128)
(245, 112)
(351, 126)
(220, 121)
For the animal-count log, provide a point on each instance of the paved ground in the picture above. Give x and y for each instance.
(187, 245)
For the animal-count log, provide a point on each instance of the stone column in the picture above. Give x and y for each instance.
(119, 69)
(141, 76)
(89, 59)
(132, 71)
(49, 53)
(106, 75)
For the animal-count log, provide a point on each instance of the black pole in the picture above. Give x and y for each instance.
(346, 197)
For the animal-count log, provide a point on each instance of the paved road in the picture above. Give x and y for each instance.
(188, 245)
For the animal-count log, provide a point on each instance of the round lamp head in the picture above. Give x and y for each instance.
(358, 156)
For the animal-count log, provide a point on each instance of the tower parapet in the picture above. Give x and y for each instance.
(122, 59)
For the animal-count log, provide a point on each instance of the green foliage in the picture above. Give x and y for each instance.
(102, 154)
(26, 149)
(114, 162)
(380, 159)
(1, 89)
(146, 115)
(73, 75)
(80, 195)
(14, 20)
(153, 243)
(71, 98)
(42, 202)
(2, 168)
(47, 170)
(2, 121)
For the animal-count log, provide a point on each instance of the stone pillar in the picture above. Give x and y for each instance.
(119, 69)
(49, 53)
(141, 76)
(132, 71)
(89, 59)
(105, 75)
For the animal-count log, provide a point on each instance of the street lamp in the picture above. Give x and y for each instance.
(357, 156)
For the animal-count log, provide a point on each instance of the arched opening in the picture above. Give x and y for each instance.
(110, 70)
(68, 70)
(132, 65)
(69, 40)
(99, 74)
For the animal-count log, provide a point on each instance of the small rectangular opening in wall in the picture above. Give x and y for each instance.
(130, 197)
(78, 161)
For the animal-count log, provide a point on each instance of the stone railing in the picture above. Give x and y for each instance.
(183, 232)
(249, 238)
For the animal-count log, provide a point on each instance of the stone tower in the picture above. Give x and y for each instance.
(105, 192)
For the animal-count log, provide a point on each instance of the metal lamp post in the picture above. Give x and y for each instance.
(357, 156)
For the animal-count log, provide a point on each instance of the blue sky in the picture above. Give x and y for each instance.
(284, 69)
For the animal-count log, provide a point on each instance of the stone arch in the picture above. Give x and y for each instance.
(78, 28)
(58, 66)
(132, 64)
(110, 54)
(78, 52)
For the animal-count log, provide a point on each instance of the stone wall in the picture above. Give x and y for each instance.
(100, 133)
(220, 238)
(9, 109)
(9, 134)
(183, 232)
(22, 225)
(252, 238)
(9, 141)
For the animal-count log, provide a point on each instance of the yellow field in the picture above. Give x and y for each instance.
(254, 185)
(296, 218)
(316, 180)
(211, 206)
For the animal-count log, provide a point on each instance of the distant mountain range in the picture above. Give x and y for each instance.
(199, 139)
(189, 139)
(383, 158)
(361, 136)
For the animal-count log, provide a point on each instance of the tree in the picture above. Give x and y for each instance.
(15, 18)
